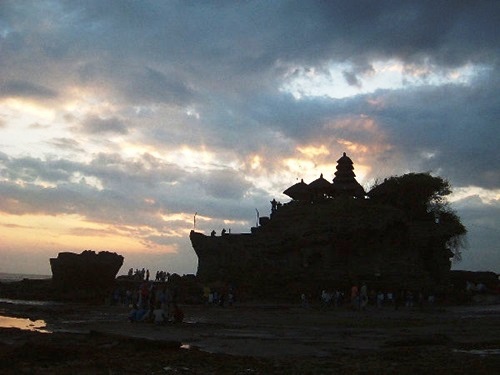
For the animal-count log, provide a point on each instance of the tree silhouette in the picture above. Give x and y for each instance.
(423, 198)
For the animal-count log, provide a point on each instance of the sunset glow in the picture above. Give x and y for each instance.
(123, 127)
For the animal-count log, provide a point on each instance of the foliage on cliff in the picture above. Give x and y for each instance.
(403, 235)
(423, 197)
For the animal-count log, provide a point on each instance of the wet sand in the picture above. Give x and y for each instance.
(255, 339)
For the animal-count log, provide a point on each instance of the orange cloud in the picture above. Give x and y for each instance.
(312, 151)
(68, 233)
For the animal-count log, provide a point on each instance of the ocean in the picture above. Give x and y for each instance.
(10, 277)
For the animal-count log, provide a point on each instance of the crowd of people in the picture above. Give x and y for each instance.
(157, 301)
(144, 274)
(360, 297)
(153, 303)
(219, 296)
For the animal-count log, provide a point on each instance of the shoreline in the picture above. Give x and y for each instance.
(266, 338)
(257, 337)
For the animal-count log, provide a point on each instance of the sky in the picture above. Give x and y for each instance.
(126, 124)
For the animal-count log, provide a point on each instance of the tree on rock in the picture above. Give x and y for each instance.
(422, 198)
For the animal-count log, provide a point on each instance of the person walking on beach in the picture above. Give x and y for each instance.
(354, 296)
(363, 301)
(159, 317)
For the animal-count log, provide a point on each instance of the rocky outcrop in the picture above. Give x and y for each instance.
(88, 270)
(334, 235)
(334, 243)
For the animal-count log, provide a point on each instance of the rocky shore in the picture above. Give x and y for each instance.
(253, 338)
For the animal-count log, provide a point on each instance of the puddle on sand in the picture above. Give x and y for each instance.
(28, 302)
(23, 324)
(187, 346)
(481, 352)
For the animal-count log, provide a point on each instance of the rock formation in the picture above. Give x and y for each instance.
(87, 270)
(333, 235)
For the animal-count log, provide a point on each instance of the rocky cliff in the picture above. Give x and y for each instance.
(399, 235)
(326, 244)
(89, 270)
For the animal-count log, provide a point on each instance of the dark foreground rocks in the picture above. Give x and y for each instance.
(257, 339)
(32, 353)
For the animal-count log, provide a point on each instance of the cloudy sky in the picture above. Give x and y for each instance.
(119, 120)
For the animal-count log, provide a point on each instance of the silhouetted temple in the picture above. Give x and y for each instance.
(331, 234)
(345, 182)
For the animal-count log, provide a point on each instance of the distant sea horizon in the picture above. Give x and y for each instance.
(11, 277)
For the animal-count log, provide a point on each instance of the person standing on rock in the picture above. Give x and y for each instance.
(363, 301)
(354, 296)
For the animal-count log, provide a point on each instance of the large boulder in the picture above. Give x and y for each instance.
(89, 270)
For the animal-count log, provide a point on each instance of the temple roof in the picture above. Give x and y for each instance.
(345, 182)
(345, 160)
(320, 184)
(320, 187)
(298, 191)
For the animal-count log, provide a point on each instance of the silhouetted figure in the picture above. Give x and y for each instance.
(274, 205)
(212, 233)
(363, 297)
(159, 316)
(223, 232)
(178, 314)
(398, 299)
(304, 301)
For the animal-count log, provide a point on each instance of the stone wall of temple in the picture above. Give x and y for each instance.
(326, 244)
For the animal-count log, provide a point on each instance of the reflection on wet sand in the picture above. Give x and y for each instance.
(24, 324)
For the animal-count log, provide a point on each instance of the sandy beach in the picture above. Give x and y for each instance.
(254, 338)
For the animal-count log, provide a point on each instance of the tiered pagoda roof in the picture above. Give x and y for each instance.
(344, 184)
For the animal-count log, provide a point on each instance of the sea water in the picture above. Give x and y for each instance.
(6, 277)
(21, 323)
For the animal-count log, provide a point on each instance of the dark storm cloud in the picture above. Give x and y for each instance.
(482, 221)
(97, 125)
(66, 144)
(447, 32)
(227, 49)
(231, 56)
(226, 184)
(126, 185)
(152, 63)
(458, 124)
(236, 46)
(351, 78)
(26, 90)
(152, 86)
(29, 170)
(70, 176)
(220, 194)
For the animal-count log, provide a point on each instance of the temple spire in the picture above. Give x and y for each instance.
(345, 182)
